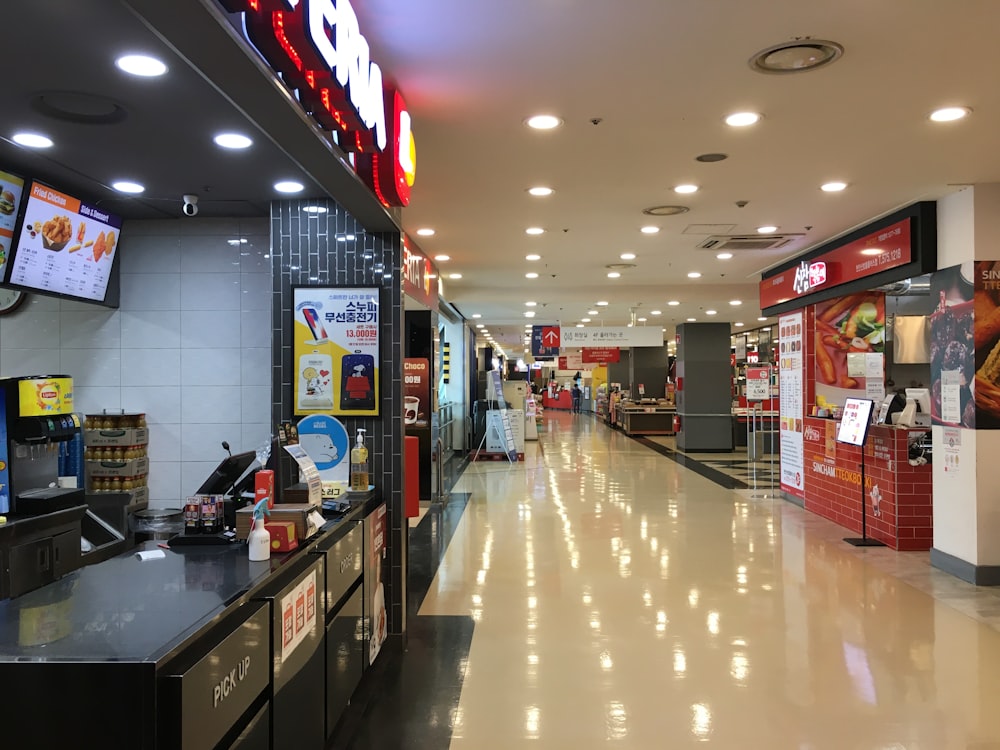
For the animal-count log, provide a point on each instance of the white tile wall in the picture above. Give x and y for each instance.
(190, 345)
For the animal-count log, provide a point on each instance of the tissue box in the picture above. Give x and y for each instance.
(282, 535)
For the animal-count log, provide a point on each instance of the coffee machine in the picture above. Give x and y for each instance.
(36, 414)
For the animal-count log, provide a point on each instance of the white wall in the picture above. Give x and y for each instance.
(190, 345)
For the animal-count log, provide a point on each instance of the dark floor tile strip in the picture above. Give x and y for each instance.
(411, 697)
(720, 478)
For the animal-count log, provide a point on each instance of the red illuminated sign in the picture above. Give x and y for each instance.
(603, 355)
(319, 50)
(879, 251)
(419, 278)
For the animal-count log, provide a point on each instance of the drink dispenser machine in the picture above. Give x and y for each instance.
(36, 414)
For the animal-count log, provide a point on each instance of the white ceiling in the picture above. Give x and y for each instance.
(661, 75)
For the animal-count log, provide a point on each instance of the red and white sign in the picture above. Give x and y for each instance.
(879, 251)
(758, 383)
(572, 361)
(601, 354)
(319, 50)
(550, 337)
(419, 277)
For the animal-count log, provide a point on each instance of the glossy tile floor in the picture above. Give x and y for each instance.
(620, 599)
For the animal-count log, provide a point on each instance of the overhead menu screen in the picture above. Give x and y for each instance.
(11, 188)
(65, 247)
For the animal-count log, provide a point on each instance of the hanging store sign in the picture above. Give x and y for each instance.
(612, 336)
(601, 354)
(419, 276)
(318, 49)
(545, 341)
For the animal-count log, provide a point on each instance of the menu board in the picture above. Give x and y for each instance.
(856, 420)
(11, 188)
(791, 407)
(66, 247)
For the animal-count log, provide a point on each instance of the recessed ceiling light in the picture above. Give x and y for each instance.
(871, 251)
(315, 209)
(543, 122)
(711, 158)
(642, 320)
(767, 229)
(833, 187)
(127, 186)
(540, 191)
(529, 314)
(531, 275)
(584, 320)
(486, 331)
(796, 56)
(711, 312)
(761, 319)
(480, 325)
(534, 230)
(724, 256)
(627, 256)
(532, 257)
(655, 312)
(673, 303)
(425, 232)
(289, 186)
(232, 141)
(477, 315)
(454, 275)
(686, 189)
(650, 230)
(592, 312)
(950, 114)
(602, 303)
(738, 325)
(530, 304)
(735, 302)
(579, 325)
(691, 320)
(742, 119)
(614, 275)
(32, 140)
(694, 275)
(141, 65)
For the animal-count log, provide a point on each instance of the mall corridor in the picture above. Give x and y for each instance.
(603, 594)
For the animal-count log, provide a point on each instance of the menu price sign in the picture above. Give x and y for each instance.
(336, 350)
(791, 406)
(65, 246)
(11, 188)
(758, 383)
(855, 421)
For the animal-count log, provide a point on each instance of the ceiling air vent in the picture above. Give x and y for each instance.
(747, 241)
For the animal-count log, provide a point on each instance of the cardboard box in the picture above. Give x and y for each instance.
(123, 437)
(132, 468)
(282, 535)
(297, 513)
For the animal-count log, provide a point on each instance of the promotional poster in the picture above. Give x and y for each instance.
(11, 188)
(336, 351)
(846, 326)
(954, 347)
(791, 382)
(416, 392)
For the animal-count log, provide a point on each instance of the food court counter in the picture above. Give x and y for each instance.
(200, 648)
(898, 496)
(561, 399)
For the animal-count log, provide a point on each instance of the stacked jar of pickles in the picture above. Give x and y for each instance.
(115, 453)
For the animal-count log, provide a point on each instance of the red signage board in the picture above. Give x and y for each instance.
(879, 251)
(602, 354)
(551, 336)
(419, 276)
(318, 48)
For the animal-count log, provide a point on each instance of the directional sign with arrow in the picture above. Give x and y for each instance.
(545, 341)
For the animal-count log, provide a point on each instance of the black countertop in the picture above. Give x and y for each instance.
(126, 609)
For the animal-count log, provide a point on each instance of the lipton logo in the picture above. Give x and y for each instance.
(49, 394)
(812, 435)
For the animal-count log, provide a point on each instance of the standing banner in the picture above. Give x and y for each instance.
(379, 629)
(791, 406)
(336, 351)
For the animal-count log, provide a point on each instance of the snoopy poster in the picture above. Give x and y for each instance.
(336, 350)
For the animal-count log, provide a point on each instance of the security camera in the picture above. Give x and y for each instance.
(190, 205)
